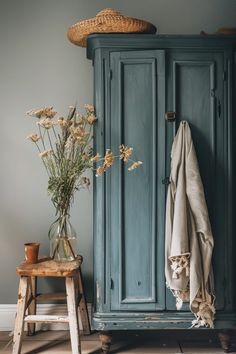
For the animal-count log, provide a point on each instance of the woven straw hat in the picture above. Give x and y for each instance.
(107, 21)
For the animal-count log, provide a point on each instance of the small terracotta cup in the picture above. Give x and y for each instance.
(31, 252)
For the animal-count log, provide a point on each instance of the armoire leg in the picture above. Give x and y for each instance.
(106, 338)
(225, 341)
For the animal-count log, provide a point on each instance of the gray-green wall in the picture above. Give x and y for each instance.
(39, 66)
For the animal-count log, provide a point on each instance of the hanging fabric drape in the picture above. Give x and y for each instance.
(189, 240)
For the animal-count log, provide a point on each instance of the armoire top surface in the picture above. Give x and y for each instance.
(113, 41)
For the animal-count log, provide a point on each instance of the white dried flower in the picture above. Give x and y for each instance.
(135, 165)
(33, 137)
(96, 157)
(91, 118)
(45, 153)
(46, 123)
(47, 112)
(89, 108)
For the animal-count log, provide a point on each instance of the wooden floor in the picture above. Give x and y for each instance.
(56, 342)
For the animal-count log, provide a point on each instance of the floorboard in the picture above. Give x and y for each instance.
(56, 342)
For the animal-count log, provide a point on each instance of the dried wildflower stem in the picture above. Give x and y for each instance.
(42, 159)
(54, 132)
(71, 249)
(50, 141)
(41, 136)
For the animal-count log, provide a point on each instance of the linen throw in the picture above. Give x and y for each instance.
(188, 238)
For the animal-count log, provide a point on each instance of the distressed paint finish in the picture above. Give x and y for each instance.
(32, 306)
(137, 79)
(19, 322)
(155, 321)
(75, 297)
(73, 315)
(83, 309)
(47, 267)
(46, 319)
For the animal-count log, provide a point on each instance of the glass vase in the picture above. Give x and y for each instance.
(63, 240)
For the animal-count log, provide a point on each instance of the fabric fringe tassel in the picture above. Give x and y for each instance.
(179, 264)
(203, 310)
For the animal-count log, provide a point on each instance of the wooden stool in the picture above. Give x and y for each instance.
(28, 296)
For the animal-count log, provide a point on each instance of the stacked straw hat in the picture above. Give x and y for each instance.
(107, 21)
(223, 30)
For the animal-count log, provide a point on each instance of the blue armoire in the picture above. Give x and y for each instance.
(144, 85)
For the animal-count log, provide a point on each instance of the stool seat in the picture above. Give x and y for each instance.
(28, 296)
(47, 267)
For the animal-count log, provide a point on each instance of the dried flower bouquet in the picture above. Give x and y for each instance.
(65, 148)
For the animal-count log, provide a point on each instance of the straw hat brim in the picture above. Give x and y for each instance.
(222, 30)
(107, 22)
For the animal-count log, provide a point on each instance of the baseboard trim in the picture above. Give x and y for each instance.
(8, 312)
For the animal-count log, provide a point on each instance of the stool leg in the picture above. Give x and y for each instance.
(32, 306)
(20, 313)
(83, 306)
(73, 315)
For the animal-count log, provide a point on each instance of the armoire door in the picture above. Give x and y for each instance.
(137, 107)
(196, 93)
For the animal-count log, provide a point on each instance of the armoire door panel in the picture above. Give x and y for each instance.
(197, 93)
(136, 270)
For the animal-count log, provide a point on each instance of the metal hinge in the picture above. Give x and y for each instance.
(219, 108)
(224, 76)
(166, 181)
(110, 74)
(111, 284)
